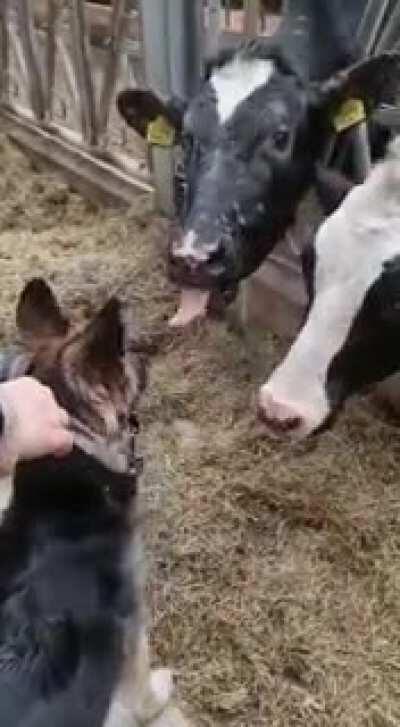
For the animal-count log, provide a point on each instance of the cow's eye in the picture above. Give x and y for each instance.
(281, 138)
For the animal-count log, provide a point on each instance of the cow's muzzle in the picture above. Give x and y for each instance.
(285, 420)
(203, 266)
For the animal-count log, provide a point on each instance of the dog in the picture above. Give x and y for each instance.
(73, 639)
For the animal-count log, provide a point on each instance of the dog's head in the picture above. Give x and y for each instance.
(96, 372)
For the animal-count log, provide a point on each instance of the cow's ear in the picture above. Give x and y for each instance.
(39, 316)
(374, 80)
(140, 107)
(331, 187)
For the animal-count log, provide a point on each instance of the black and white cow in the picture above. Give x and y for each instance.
(352, 331)
(251, 137)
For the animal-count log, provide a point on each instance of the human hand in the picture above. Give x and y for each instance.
(34, 424)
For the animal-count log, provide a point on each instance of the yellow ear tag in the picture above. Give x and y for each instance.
(160, 132)
(351, 112)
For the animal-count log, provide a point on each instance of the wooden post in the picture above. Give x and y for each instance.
(391, 33)
(70, 78)
(185, 36)
(171, 43)
(371, 24)
(227, 14)
(4, 60)
(31, 58)
(252, 15)
(51, 50)
(83, 72)
(155, 24)
(111, 70)
(212, 35)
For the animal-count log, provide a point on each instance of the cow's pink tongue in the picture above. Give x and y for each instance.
(193, 304)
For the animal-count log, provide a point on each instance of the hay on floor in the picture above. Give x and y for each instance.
(274, 572)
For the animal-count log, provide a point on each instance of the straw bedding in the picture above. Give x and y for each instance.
(274, 573)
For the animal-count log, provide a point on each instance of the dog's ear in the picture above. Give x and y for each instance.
(39, 316)
(111, 354)
(104, 341)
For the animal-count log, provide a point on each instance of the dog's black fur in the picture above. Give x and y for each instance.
(64, 596)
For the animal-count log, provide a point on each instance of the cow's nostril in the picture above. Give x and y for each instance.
(180, 257)
(291, 423)
(192, 262)
(217, 255)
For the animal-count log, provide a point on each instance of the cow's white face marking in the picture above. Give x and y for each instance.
(237, 80)
(188, 248)
(351, 248)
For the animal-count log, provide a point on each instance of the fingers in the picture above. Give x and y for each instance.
(62, 444)
(61, 439)
(64, 417)
(35, 425)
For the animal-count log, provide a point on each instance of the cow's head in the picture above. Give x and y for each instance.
(351, 335)
(97, 372)
(250, 140)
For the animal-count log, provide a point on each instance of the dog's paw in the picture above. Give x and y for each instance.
(162, 685)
